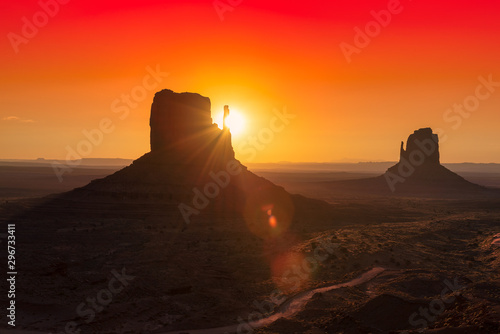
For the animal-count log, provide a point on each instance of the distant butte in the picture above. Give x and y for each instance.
(419, 167)
(418, 173)
(422, 144)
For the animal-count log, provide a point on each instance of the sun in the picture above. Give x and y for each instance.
(235, 121)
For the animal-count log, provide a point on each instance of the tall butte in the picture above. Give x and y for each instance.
(186, 147)
(192, 172)
(419, 169)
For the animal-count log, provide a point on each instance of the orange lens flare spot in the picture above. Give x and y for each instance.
(272, 221)
(268, 212)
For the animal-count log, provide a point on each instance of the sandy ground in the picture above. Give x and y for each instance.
(216, 273)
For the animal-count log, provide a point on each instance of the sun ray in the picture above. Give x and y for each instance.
(235, 121)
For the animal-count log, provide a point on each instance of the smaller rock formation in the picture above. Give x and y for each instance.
(418, 173)
(422, 144)
(419, 169)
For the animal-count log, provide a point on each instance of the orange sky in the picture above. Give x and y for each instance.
(264, 56)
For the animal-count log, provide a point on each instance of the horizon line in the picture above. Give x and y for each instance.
(40, 159)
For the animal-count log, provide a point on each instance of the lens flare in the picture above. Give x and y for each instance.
(268, 212)
(272, 218)
(272, 221)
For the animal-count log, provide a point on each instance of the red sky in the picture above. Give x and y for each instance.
(264, 56)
